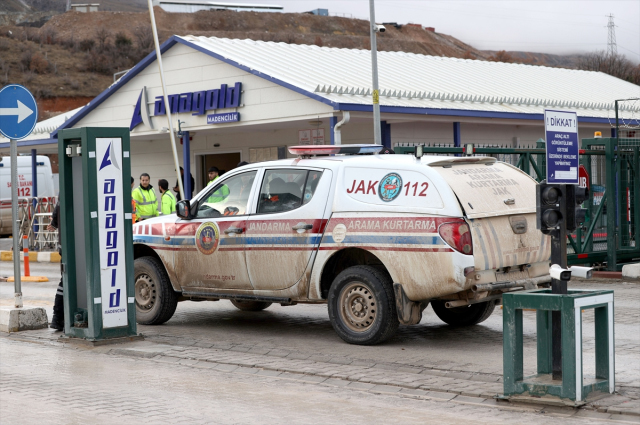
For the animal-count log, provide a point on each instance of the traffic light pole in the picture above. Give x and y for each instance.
(558, 256)
(558, 213)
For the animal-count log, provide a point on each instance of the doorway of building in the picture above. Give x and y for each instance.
(224, 161)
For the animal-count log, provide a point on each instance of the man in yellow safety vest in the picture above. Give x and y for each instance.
(145, 197)
(220, 194)
(167, 200)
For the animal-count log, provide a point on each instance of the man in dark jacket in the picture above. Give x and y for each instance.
(176, 189)
(57, 321)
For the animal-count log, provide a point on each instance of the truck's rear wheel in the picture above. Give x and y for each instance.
(156, 301)
(463, 316)
(362, 307)
(250, 305)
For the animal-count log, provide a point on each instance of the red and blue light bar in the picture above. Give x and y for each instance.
(335, 149)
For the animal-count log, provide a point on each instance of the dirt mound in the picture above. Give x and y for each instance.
(74, 55)
(293, 28)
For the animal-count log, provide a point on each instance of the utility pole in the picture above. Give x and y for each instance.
(612, 47)
(377, 136)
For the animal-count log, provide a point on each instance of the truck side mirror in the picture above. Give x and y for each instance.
(183, 209)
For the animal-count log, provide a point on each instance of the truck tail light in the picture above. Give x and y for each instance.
(457, 236)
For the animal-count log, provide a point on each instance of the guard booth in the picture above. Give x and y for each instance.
(97, 242)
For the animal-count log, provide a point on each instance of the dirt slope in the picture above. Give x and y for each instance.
(74, 55)
(291, 28)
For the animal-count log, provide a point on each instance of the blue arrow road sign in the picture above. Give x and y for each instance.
(18, 112)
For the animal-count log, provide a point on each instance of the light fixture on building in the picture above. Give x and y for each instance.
(315, 122)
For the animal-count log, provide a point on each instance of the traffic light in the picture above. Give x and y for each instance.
(550, 200)
(576, 215)
(558, 205)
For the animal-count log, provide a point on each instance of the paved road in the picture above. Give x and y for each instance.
(47, 384)
(298, 341)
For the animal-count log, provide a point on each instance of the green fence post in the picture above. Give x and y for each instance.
(572, 344)
(623, 181)
(602, 342)
(525, 158)
(512, 346)
(542, 160)
(543, 329)
(612, 232)
(588, 243)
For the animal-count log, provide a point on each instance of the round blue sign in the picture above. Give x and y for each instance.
(18, 112)
(390, 187)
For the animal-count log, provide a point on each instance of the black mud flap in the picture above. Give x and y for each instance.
(409, 312)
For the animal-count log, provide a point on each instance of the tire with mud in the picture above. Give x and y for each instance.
(156, 301)
(250, 305)
(362, 306)
(463, 316)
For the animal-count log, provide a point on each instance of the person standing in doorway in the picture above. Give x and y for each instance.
(167, 200)
(145, 197)
(57, 321)
(214, 174)
(221, 193)
(176, 189)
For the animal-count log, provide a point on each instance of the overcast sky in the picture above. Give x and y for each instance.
(553, 26)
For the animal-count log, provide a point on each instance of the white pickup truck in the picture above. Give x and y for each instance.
(376, 237)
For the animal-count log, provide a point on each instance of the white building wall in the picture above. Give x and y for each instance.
(493, 134)
(187, 70)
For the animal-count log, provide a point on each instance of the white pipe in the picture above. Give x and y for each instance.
(337, 136)
(377, 132)
(167, 107)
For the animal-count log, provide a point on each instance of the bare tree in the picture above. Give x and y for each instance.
(616, 65)
(501, 56)
(144, 37)
(102, 36)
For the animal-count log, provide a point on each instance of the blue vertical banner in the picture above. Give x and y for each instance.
(110, 213)
(561, 130)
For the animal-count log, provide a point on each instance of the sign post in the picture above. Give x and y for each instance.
(561, 130)
(97, 239)
(18, 117)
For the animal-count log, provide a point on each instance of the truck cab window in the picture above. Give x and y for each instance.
(229, 197)
(286, 190)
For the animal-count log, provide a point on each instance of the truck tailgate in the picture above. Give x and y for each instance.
(499, 202)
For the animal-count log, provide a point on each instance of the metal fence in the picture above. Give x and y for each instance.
(610, 239)
(35, 215)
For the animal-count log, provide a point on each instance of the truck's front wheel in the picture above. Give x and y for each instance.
(361, 306)
(156, 301)
(463, 316)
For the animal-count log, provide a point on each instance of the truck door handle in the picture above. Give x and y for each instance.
(233, 230)
(302, 226)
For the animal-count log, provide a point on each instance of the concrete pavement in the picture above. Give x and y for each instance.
(431, 362)
(48, 384)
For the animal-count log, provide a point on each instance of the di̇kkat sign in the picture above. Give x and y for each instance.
(111, 217)
(561, 130)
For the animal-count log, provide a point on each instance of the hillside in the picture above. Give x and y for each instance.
(65, 59)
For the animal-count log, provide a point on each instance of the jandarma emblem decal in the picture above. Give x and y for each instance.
(390, 187)
(207, 238)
